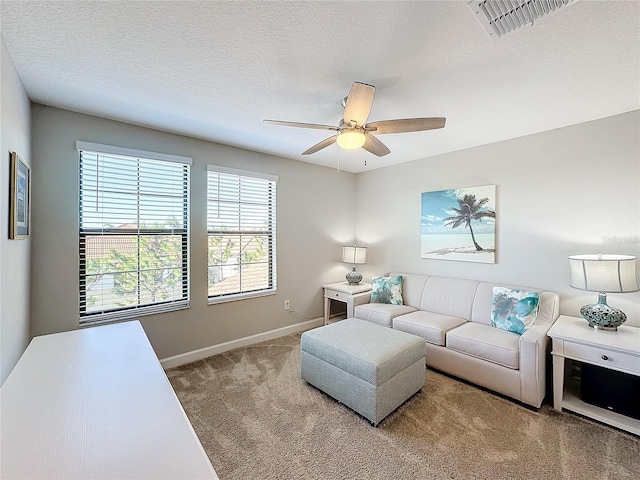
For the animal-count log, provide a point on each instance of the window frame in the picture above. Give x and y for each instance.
(271, 232)
(109, 315)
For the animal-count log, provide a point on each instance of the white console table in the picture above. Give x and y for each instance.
(95, 403)
(574, 339)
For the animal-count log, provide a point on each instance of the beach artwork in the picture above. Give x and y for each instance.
(459, 224)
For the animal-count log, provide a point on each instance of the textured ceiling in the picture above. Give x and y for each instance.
(215, 70)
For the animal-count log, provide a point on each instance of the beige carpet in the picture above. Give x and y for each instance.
(258, 420)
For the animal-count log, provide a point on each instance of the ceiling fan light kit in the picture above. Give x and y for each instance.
(353, 131)
(351, 139)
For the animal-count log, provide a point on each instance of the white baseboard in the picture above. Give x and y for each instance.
(188, 357)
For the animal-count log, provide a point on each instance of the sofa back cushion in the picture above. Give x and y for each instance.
(548, 306)
(449, 296)
(412, 287)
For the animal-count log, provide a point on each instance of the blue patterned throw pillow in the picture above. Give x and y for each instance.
(387, 290)
(514, 310)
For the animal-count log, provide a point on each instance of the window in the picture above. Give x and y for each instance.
(241, 228)
(133, 232)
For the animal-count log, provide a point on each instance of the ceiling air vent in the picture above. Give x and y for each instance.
(499, 17)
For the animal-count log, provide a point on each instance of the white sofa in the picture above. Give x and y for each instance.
(454, 317)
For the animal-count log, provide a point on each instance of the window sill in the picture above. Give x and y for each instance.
(241, 296)
(133, 314)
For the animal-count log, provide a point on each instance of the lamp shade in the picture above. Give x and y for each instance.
(604, 273)
(354, 255)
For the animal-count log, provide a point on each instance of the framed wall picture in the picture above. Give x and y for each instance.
(459, 224)
(20, 201)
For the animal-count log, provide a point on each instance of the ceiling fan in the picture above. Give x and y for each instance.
(354, 132)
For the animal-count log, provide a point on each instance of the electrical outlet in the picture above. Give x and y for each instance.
(287, 305)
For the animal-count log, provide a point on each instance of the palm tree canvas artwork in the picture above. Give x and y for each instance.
(459, 224)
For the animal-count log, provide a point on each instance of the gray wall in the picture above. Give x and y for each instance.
(567, 191)
(14, 254)
(572, 190)
(313, 223)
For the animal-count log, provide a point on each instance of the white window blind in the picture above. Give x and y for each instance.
(241, 228)
(133, 233)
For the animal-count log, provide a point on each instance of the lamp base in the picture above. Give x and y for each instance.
(353, 277)
(602, 316)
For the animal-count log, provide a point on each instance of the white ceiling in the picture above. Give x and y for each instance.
(215, 70)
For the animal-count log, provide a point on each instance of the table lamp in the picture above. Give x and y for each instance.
(355, 256)
(604, 274)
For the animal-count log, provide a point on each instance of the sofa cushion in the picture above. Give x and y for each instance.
(449, 296)
(514, 310)
(381, 313)
(387, 290)
(433, 327)
(485, 342)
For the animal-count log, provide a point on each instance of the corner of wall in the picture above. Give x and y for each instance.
(15, 135)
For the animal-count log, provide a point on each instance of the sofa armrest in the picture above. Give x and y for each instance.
(537, 332)
(533, 359)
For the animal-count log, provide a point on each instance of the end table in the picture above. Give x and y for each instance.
(346, 293)
(573, 339)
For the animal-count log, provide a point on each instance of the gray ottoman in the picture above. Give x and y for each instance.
(369, 368)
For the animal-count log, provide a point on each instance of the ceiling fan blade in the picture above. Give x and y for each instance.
(319, 146)
(359, 103)
(405, 125)
(301, 125)
(375, 146)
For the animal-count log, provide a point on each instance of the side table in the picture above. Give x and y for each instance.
(574, 339)
(346, 293)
